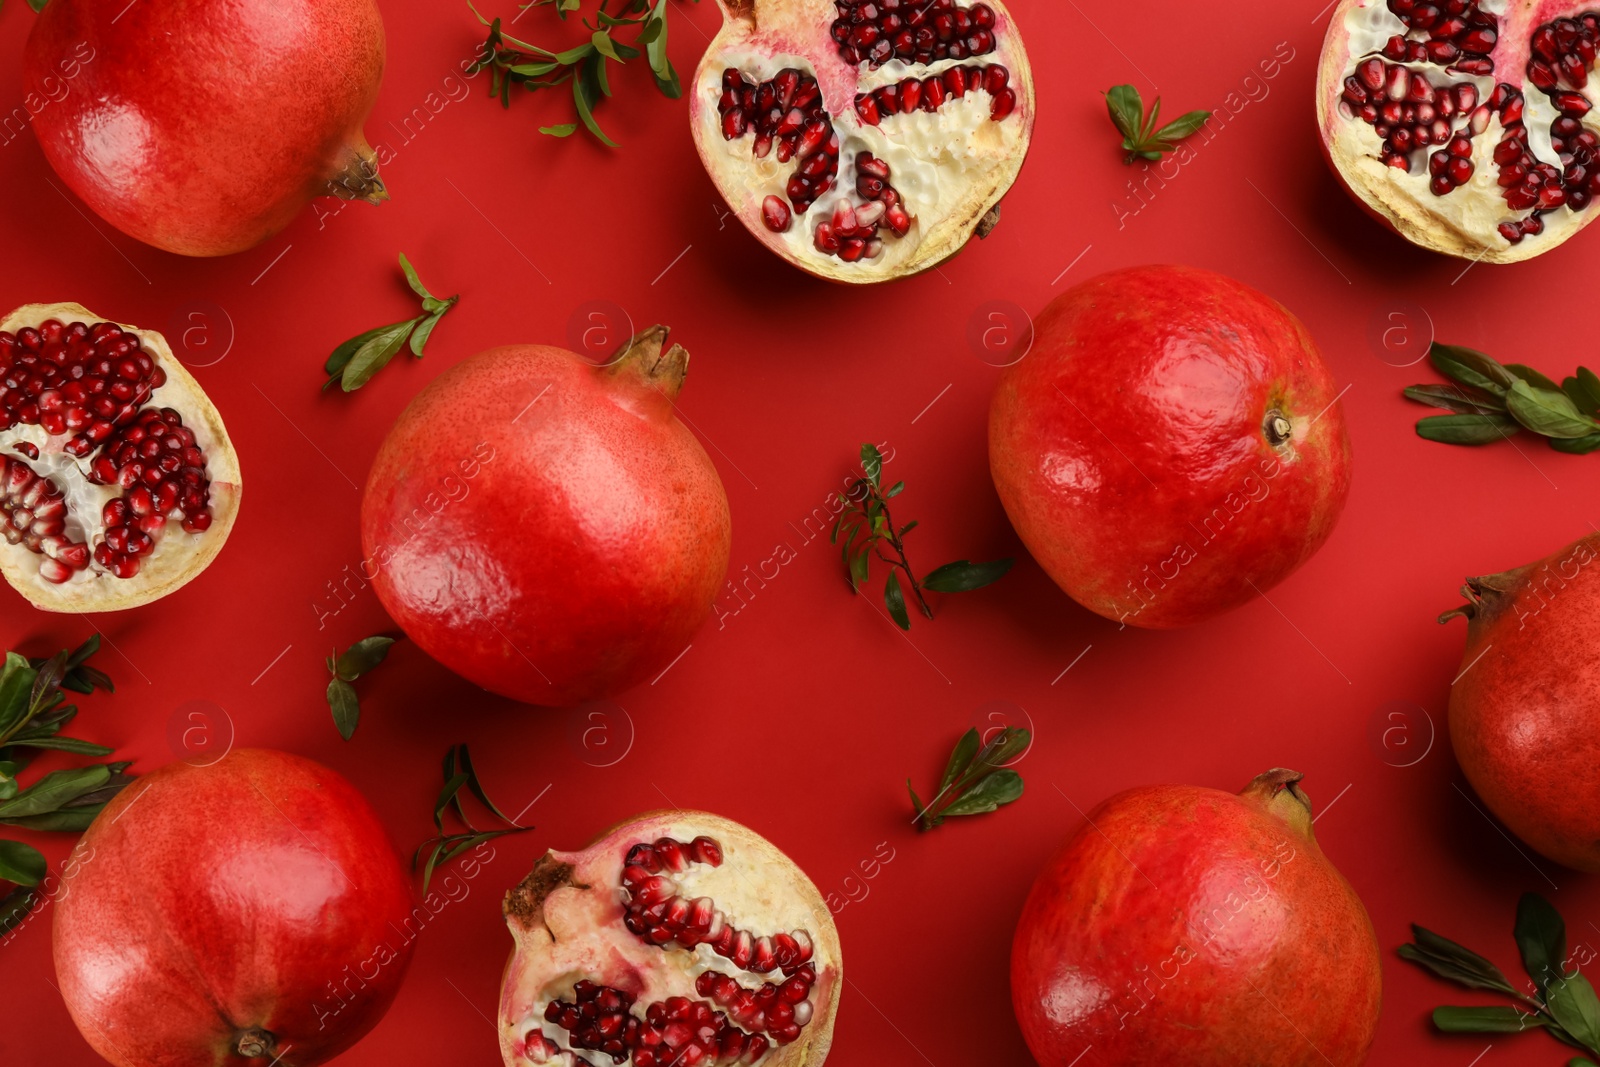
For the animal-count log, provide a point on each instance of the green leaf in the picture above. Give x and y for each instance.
(16, 687)
(1542, 938)
(66, 821)
(572, 55)
(532, 70)
(21, 864)
(962, 576)
(1579, 1061)
(1470, 367)
(54, 790)
(1461, 399)
(1467, 429)
(1548, 411)
(858, 566)
(446, 795)
(1001, 787)
(1532, 377)
(1185, 126)
(14, 907)
(872, 464)
(895, 600)
(907, 528)
(1127, 111)
(342, 355)
(602, 76)
(1006, 747)
(477, 786)
(420, 335)
(412, 279)
(345, 705)
(961, 758)
(1586, 391)
(916, 801)
(602, 43)
(1573, 1004)
(362, 656)
(64, 744)
(1505, 1020)
(583, 90)
(1577, 446)
(566, 129)
(375, 354)
(895, 490)
(1457, 963)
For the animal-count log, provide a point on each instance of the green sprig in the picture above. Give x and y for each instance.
(357, 660)
(512, 62)
(1563, 1005)
(865, 529)
(354, 363)
(1491, 401)
(458, 774)
(977, 779)
(1140, 137)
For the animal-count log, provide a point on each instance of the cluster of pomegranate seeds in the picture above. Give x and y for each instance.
(1457, 35)
(33, 512)
(92, 382)
(851, 232)
(1409, 113)
(913, 31)
(928, 94)
(677, 1032)
(789, 121)
(777, 1008)
(1563, 51)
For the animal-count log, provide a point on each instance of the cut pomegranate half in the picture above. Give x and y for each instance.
(1464, 124)
(864, 140)
(679, 939)
(118, 483)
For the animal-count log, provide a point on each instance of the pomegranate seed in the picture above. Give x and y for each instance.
(775, 213)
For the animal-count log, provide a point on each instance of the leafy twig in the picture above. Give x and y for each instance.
(459, 772)
(33, 710)
(357, 660)
(1562, 1004)
(1140, 137)
(513, 62)
(977, 779)
(865, 528)
(1491, 401)
(354, 363)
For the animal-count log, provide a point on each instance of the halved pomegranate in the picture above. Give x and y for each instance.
(1464, 124)
(864, 140)
(678, 938)
(118, 483)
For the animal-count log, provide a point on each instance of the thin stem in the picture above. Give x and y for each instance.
(893, 537)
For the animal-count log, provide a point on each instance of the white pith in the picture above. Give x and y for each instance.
(581, 936)
(1465, 221)
(950, 166)
(178, 555)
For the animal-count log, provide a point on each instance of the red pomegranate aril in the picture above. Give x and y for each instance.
(775, 213)
(1004, 104)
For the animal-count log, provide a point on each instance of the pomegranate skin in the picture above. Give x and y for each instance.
(1154, 935)
(1170, 447)
(211, 911)
(547, 528)
(1525, 714)
(203, 127)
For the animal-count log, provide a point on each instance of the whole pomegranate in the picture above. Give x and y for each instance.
(1170, 447)
(1191, 926)
(545, 527)
(1525, 713)
(864, 140)
(204, 126)
(1461, 124)
(249, 910)
(678, 938)
(118, 483)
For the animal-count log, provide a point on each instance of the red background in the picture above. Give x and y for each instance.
(805, 712)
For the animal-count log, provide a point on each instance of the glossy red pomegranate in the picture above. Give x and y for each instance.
(1171, 447)
(247, 911)
(1462, 123)
(545, 527)
(118, 483)
(678, 939)
(1190, 926)
(1525, 713)
(864, 140)
(204, 126)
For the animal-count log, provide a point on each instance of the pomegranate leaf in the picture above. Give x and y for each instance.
(345, 706)
(1462, 399)
(1548, 411)
(1141, 139)
(1542, 937)
(1575, 1007)
(21, 864)
(1466, 429)
(965, 751)
(1584, 388)
(566, 129)
(976, 780)
(1470, 367)
(987, 794)
(963, 577)
(1532, 377)
(1496, 1020)
(895, 601)
(362, 656)
(1576, 446)
(1449, 960)
(447, 847)
(356, 661)
(54, 791)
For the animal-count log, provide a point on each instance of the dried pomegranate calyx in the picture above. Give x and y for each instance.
(863, 139)
(118, 482)
(678, 938)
